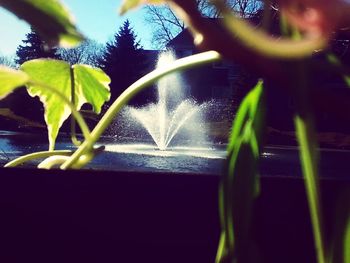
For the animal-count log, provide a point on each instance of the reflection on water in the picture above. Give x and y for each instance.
(125, 157)
(276, 160)
(146, 149)
(141, 157)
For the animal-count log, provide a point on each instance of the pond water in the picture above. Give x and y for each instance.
(129, 156)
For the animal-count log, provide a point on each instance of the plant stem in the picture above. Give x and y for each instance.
(37, 155)
(145, 81)
(74, 138)
(268, 46)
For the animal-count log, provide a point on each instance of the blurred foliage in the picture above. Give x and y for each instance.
(50, 18)
(307, 26)
(240, 184)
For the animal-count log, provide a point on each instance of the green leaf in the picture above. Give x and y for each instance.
(130, 4)
(91, 85)
(309, 162)
(334, 60)
(240, 184)
(11, 79)
(48, 17)
(55, 74)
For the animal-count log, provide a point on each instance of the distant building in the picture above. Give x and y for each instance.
(222, 80)
(213, 81)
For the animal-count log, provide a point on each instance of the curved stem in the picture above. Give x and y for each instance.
(145, 81)
(52, 161)
(78, 117)
(37, 155)
(74, 138)
(260, 42)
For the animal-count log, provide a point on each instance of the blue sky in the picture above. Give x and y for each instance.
(98, 20)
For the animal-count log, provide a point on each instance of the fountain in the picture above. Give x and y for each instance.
(173, 115)
(167, 135)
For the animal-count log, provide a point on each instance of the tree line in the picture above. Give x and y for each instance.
(122, 58)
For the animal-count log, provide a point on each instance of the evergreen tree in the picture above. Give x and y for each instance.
(33, 47)
(124, 60)
(20, 102)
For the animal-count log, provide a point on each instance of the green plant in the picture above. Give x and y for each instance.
(74, 85)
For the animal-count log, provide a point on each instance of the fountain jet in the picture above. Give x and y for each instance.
(172, 113)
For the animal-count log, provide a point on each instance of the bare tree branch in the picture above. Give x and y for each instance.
(88, 52)
(167, 24)
(7, 61)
